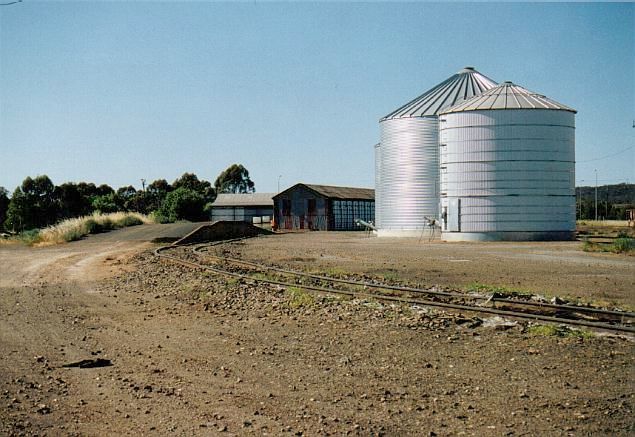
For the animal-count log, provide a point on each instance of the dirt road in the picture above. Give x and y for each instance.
(194, 355)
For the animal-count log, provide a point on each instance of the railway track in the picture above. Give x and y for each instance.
(200, 257)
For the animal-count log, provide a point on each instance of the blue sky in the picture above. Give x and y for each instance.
(113, 92)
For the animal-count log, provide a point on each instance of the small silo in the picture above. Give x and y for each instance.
(407, 186)
(507, 167)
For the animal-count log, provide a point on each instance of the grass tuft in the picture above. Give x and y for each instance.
(232, 281)
(623, 245)
(558, 331)
(298, 298)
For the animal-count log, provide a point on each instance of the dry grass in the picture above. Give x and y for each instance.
(603, 223)
(76, 228)
(9, 241)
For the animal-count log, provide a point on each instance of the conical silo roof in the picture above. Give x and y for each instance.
(465, 84)
(507, 96)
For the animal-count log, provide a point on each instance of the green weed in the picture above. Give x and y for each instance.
(390, 276)
(232, 281)
(619, 245)
(263, 276)
(299, 298)
(623, 245)
(192, 290)
(558, 331)
(30, 237)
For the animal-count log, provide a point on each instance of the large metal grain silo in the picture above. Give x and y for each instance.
(407, 187)
(508, 167)
(377, 184)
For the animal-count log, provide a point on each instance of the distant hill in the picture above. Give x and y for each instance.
(615, 194)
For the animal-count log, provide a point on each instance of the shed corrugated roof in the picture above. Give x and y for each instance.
(463, 85)
(508, 96)
(249, 199)
(333, 192)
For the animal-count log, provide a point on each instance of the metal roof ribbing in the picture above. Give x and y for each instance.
(507, 96)
(344, 192)
(248, 199)
(466, 83)
(332, 192)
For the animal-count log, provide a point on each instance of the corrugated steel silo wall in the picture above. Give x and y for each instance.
(513, 170)
(378, 184)
(409, 173)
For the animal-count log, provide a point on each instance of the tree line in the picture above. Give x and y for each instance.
(612, 201)
(38, 202)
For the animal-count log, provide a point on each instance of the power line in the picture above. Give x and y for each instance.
(11, 3)
(608, 156)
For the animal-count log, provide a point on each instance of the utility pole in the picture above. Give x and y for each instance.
(143, 184)
(279, 176)
(596, 194)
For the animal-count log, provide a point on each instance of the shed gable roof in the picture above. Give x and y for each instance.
(333, 192)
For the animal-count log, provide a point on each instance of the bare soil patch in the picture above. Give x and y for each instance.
(196, 354)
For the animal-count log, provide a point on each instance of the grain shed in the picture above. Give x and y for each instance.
(323, 207)
(408, 155)
(253, 208)
(508, 167)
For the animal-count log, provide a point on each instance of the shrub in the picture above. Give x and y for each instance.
(108, 203)
(107, 224)
(183, 204)
(623, 244)
(31, 236)
(158, 217)
(92, 227)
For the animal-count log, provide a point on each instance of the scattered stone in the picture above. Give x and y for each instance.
(498, 323)
(43, 409)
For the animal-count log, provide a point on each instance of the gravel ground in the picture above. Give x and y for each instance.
(550, 268)
(197, 354)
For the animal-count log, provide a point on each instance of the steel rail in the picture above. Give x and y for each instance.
(598, 325)
(564, 307)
